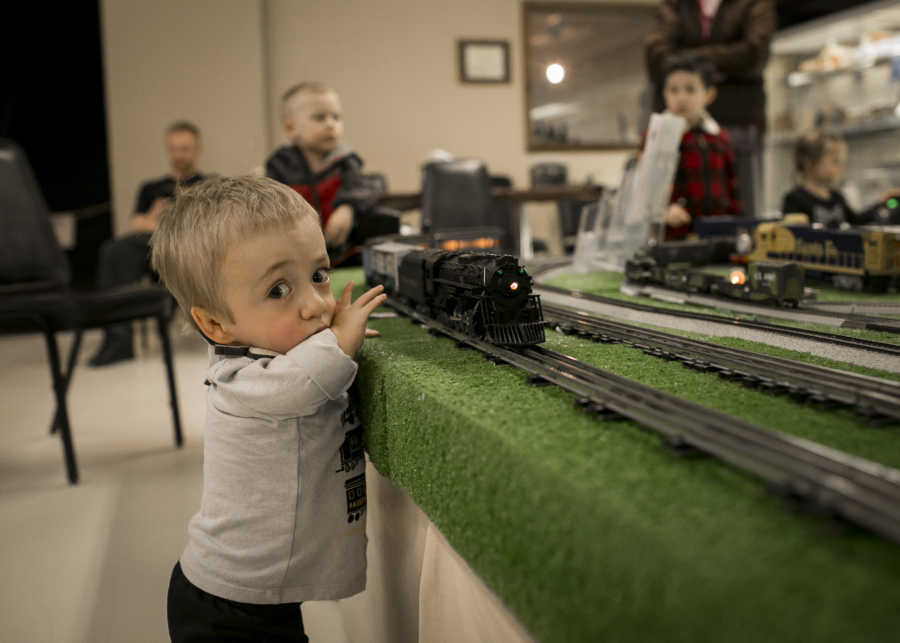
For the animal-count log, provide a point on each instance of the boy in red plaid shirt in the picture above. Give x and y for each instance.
(705, 182)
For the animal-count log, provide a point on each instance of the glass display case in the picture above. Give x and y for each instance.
(841, 72)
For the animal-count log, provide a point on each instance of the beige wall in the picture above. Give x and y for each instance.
(224, 64)
(394, 64)
(168, 60)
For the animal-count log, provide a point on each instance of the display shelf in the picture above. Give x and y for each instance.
(842, 26)
(853, 91)
(796, 79)
(847, 131)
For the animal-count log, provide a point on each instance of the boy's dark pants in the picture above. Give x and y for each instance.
(198, 617)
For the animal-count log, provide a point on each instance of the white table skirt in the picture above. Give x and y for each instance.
(418, 588)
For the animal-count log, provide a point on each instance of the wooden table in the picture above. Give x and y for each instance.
(413, 200)
(516, 197)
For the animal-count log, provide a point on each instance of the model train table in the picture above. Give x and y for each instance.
(590, 530)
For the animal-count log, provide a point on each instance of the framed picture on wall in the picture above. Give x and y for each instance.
(483, 61)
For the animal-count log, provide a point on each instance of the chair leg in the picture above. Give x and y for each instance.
(145, 341)
(60, 387)
(163, 327)
(67, 378)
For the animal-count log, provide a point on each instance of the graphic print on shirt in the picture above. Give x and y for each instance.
(350, 416)
(355, 489)
(830, 217)
(352, 450)
(353, 454)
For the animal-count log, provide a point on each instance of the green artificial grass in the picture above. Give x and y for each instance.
(593, 531)
(840, 429)
(827, 292)
(607, 284)
(775, 351)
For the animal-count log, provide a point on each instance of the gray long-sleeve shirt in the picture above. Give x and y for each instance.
(282, 518)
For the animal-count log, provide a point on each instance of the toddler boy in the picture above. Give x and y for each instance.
(282, 517)
(316, 164)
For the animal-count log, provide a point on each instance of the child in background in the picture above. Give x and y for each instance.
(819, 158)
(282, 517)
(705, 181)
(316, 164)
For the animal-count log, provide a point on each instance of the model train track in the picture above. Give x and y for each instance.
(805, 313)
(853, 488)
(864, 307)
(871, 397)
(884, 348)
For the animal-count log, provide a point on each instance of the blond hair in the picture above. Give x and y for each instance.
(193, 237)
(308, 87)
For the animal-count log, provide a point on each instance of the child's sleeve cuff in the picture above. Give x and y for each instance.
(327, 365)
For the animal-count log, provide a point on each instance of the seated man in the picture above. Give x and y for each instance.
(126, 260)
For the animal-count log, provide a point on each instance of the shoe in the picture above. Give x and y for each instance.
(110, 353)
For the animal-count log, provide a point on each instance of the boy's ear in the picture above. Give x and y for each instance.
(711, 94)
(210, 326)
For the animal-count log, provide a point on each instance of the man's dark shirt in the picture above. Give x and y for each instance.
(163, 188)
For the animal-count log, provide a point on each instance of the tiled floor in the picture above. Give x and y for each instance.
(90, 562)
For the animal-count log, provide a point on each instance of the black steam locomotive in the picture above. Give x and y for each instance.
(484, 295)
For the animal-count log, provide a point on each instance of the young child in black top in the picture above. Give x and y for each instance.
(820, 157)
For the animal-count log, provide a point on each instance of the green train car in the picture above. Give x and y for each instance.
(767, 282)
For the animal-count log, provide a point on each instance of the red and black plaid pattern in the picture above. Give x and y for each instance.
(705, 182)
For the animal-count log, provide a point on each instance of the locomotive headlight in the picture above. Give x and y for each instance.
(737, 277)
(514, 285)
(743, 244)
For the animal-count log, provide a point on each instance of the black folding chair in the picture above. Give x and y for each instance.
(35, 293)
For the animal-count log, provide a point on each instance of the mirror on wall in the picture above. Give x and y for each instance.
(585, 77)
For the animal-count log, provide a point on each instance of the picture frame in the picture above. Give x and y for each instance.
(483, 61)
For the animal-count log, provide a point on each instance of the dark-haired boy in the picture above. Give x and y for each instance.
(705, 182)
